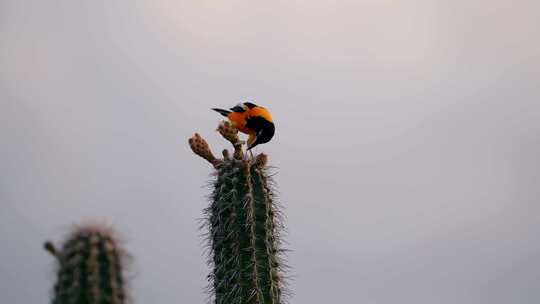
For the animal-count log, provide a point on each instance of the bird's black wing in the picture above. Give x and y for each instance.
(238, 109)
(257, 123)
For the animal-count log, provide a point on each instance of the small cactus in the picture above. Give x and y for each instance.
(243, 223)
(90, 268)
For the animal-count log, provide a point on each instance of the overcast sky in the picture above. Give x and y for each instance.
(407, 145)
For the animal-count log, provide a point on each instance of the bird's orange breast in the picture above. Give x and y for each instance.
(239, 121)
(239, 118)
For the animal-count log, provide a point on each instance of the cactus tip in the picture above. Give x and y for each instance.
(200, 147)
(49, 246)
(261, 160)
(226, 155)
(92, 252)
(229, 132)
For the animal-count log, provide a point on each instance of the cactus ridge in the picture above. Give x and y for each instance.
(243, 223)
(90, 268)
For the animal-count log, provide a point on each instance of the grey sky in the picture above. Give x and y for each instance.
(407, 140)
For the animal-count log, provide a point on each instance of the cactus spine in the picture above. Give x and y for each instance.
(243, 223)
(90, 268)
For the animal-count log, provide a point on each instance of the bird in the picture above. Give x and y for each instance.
(252, 120)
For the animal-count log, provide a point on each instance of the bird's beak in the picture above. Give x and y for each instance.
(252, 145)
(255, 142)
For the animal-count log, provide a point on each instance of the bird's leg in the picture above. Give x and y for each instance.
(251, 139)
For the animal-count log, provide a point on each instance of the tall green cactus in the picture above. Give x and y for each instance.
(243, 223)
(90, 268)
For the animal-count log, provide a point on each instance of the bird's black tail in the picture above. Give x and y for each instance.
(222, 112)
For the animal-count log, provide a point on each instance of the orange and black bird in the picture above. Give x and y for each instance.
(252, 120)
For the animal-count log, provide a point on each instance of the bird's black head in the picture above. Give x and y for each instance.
(264, 135)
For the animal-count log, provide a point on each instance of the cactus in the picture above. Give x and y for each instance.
(90, 268)
(243, 224)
